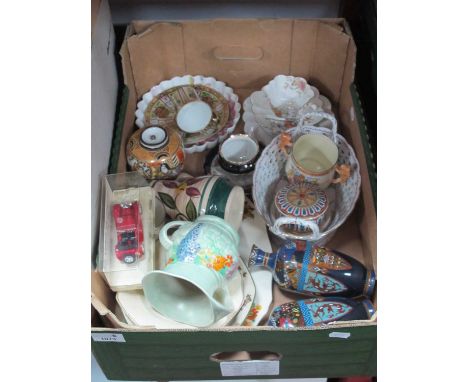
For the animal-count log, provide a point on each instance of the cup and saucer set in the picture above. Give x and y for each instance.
(302, 175)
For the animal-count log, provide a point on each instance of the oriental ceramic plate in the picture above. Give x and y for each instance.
(162, 103)
(162, 110)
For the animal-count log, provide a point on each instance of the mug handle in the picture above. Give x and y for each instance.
(344, 172)
(277, 228)
(164, 238)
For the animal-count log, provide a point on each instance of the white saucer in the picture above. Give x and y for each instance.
(253, 231)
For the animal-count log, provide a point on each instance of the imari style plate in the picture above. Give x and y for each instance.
(162, 103)
(162, 110)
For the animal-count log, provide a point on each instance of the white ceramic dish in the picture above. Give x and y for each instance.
(138, 311)
(253, 231)
(263, 124)
(227, 92)
(249, 296)
(288, 91)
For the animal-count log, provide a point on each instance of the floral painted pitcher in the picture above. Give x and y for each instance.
(192, 287)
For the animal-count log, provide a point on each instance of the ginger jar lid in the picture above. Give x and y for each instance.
(301, 200)
(153, 137)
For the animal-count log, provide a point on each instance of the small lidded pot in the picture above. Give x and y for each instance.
(238, 154)
(156, 153)
(302, 206)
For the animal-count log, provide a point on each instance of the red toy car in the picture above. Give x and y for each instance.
(127, 217)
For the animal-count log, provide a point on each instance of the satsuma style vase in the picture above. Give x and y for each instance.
(156, 153)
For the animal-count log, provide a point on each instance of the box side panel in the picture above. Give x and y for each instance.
(365, 208)
(179, 356)
(127, 109)
(242, 53)
(330, 56)
(104, 85)
(157, 54)
(245, 54)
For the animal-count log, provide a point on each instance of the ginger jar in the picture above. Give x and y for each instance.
(156, 153)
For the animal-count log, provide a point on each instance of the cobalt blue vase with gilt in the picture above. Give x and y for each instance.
(300, 267)
(320, 311)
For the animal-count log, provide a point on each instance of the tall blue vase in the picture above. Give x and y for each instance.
(315, 271)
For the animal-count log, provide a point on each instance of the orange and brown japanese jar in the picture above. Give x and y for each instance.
(156, 153)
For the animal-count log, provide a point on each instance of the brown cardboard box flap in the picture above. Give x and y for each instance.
(245, 54)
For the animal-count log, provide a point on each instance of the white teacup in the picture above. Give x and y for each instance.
(194, 116)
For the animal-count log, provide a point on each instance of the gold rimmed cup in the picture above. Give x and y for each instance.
(314, 159)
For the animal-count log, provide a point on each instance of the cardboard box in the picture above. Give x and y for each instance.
(245, 54)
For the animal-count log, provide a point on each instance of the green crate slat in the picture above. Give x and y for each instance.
(183, 355)
(365, 141)
(117, 136)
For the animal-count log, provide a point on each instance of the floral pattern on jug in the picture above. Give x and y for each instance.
(212, 251)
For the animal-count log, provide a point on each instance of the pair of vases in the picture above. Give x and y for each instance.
(329, 276)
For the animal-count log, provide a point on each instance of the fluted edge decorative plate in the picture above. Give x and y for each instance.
(227, 92)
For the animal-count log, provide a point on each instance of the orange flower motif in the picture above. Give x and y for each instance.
(344, 171)
(170, 261)
(220, 262)
(285, 142)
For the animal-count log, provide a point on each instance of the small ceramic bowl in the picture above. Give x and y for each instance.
(238, 154)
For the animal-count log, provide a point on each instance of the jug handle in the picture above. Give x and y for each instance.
(163, 237)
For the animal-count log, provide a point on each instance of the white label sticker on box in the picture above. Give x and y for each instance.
(339, 335)
(108, 337)
(244, 368)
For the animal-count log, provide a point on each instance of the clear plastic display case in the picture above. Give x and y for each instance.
(127, 234)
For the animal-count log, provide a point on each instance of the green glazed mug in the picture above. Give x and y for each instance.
(187, 198)
(192, 287)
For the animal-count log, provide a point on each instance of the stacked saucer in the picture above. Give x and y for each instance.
(279, 106)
